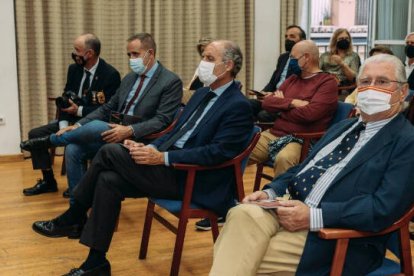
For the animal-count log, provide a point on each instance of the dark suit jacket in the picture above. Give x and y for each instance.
(221, 134)
(410, 80)
(369, 194)
(156, 106)
(281, 62)
(106, 80)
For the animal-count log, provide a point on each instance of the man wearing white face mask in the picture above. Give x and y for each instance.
(147, 99)
(358, 176)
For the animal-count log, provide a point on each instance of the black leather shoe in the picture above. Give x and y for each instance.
(102, 270)
(36, 143)
(66, 194)
(50, 228)
(41, 187)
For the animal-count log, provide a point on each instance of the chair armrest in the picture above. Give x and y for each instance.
(264, 125)
(337, 233)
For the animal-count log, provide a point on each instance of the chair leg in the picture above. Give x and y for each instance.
(179, 243)
(258, 178)
(52, 155)
(214, 228)
(147, 230)
(405, 254)
(339, 257)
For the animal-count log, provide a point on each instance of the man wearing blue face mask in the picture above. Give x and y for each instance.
(293, 35)
(145, 103)
(306, 102)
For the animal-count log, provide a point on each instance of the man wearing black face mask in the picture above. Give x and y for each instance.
(94, 82)
(293, 35)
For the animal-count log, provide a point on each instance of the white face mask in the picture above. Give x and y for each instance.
(371, 100)
(205, 72)
(137, 65)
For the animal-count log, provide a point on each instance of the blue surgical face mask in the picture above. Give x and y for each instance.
(137, 65)
(294, 66)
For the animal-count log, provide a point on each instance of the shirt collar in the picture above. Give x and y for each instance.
(220, 90)
(151, 71)
(93, 68)
(377, 124)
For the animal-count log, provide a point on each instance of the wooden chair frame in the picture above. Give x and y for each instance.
(187, 211)
(344, 235)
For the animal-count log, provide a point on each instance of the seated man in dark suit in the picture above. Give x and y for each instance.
(149, 97)
(215, 126)
(90, 79)
(293, 35)
(358, 176)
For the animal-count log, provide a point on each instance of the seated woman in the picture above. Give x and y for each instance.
(341, 60)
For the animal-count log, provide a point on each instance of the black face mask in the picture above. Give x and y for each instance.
(289, 45)
(409, 51)
(79, 60)
(342, 44)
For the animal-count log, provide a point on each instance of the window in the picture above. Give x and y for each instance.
(328, 15)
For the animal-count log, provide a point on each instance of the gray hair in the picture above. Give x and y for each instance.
(400, 74)
(232, 52)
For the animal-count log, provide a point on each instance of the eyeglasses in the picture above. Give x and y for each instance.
(379, 82)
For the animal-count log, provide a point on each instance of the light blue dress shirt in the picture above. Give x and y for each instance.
(180, 142)
(148, 75)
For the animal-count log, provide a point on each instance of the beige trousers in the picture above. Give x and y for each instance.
(288, 157)
(253, 243)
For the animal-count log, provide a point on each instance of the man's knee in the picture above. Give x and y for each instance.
(245, 211)
(288, 155)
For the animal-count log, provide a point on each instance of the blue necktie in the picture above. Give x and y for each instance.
(301, 185)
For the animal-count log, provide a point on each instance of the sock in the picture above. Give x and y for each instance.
(95, 258)
(76, 214)
(49, 177)
(63, 124)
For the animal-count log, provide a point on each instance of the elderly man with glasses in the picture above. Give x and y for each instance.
(358, 176)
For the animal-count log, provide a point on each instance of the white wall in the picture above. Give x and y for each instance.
(9, 103)
(266, 40)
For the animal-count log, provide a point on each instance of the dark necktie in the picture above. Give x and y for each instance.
(86, 82)
(141, 82)
(189, 124)
(301, 185)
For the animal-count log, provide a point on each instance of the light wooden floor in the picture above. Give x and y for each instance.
(23, 252)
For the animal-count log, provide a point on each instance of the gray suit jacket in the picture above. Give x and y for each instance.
(156, 106)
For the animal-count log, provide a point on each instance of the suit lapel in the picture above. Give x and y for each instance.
(214, 109)
(378, 142)
(150, 84)
(97, 75)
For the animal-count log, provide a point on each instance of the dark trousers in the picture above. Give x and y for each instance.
(41, 157)
(113, 176)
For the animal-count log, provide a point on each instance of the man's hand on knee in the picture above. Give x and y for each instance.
(146, 155)
(117, 133)
(258, 195)
(66, 129)
(294, 215)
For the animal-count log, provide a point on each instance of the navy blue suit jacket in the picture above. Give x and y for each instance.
(221, 135)
(369, 194)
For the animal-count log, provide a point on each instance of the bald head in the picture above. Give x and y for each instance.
(90, 42)
(229, 51)
(308, 47)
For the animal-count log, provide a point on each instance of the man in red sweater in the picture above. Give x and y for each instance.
(306, 102)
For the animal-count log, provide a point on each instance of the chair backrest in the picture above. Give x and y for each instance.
(342, 112)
